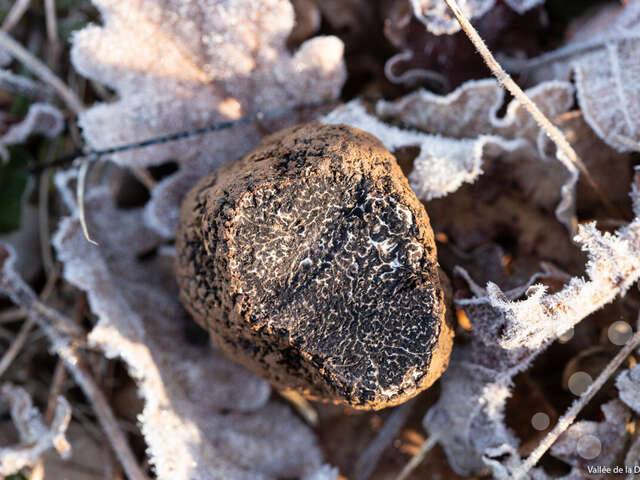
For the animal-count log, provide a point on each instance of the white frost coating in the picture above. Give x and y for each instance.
(603, 54)
(507, 334)
(221, 61)
(437, 17)
(41, 119)
(35, 436)
(628, 383)
(464, 131)
(184, 387)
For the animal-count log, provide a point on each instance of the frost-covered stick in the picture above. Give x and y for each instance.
(570, 415)
(49, 321)
(42, 71)
(566, 151)
(417, 459)
(15, 14)
(367, 462)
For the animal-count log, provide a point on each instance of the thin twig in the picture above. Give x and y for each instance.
(145, 177)
(12, 315)
(15, 14)
(48, 320)
(418, 458)
(59, 376)
(367, 462)
(16, 346)
(566, 153)
(570, 415)
(52, 22)
(41, 71)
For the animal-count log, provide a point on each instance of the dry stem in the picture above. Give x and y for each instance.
(566, 153)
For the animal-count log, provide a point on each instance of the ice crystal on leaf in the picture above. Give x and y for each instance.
(628, 384)
(437, 17)
(41, 119)
(607, 438)
(178, 65)
(508, 332)
(603, 55)
(36, 437)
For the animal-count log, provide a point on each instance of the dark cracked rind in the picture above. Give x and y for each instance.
(311, 262)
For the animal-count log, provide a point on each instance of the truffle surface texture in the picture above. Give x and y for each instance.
(311, 262)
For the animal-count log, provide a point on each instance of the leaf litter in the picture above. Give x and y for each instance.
(468, 152)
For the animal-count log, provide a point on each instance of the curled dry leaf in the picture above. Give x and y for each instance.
(216, 413)
(220, 61)
(35, 436)
(603, 55)
(508, 333)
(464, 131)
(437, 17)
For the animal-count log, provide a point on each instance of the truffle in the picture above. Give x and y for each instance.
(311, 262)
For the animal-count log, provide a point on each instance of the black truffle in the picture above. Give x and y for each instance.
(311, 262)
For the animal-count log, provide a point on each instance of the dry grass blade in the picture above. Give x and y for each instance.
(15, 14)
(570, 415)
(566, 153)
(42, 71)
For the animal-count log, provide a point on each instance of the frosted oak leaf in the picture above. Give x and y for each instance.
(178, 65)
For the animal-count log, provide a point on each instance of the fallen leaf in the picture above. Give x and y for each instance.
(220, 61)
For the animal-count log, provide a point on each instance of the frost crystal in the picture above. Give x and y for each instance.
(628, 384)
(41, 119)
(220, 61)
(439, 20)
(204, 416)
(603, 54)
(464, 132)
(508, 333)
(35, 436)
